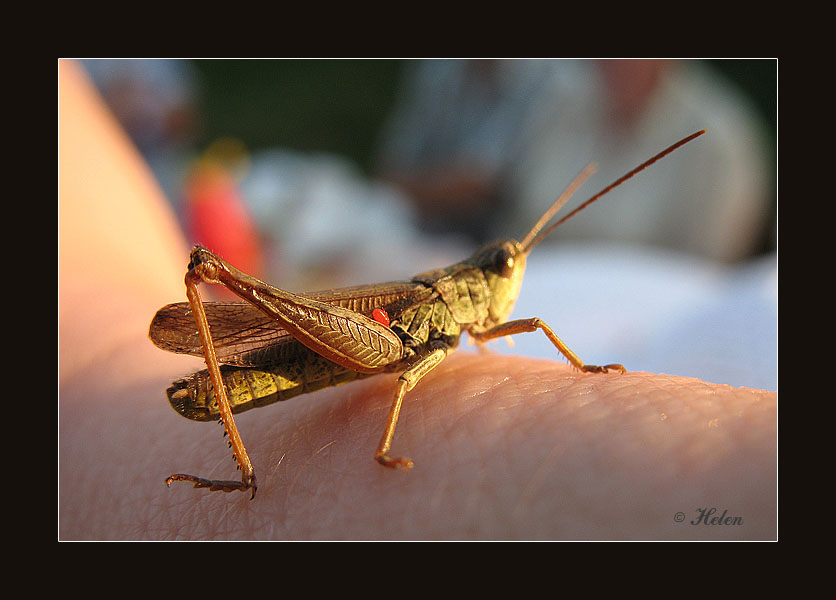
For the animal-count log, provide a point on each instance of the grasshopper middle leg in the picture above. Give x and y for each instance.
(406, 382)
(535, 323)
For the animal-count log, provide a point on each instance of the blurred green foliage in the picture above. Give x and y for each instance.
(311, 105)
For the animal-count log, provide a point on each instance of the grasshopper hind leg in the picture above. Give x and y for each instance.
(196, 273)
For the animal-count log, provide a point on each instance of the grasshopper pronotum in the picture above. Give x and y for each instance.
(277, 345)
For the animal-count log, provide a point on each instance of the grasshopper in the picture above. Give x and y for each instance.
(276, 345)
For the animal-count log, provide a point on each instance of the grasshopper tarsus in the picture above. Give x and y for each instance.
(395, 463)
(215, 485)
(604, 369)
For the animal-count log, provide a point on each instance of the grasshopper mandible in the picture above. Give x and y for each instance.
(277, 345)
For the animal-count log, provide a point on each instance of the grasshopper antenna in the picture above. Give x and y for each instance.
(558, 204)
(534, 236)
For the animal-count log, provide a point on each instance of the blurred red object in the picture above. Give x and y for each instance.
(217, 217)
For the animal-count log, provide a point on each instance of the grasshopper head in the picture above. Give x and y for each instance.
(503, 263)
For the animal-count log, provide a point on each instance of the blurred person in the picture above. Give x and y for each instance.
(448, 142)
(486, 146)
(514, 133)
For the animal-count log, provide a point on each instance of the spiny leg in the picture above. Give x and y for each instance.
(535, 323)
(248, 480)
(406, 382)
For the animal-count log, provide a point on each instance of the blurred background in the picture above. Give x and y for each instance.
(313, 174)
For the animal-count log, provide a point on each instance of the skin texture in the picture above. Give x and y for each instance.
(504, 447)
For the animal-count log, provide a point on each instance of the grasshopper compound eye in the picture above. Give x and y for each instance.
(503, 262)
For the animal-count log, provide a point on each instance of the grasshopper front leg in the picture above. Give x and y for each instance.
(533, 324)
(406, 382)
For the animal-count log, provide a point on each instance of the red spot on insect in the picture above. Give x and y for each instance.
(380, 316)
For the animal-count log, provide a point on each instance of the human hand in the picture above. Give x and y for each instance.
(504, 447)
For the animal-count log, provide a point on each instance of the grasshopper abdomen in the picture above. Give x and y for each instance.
(254, 387)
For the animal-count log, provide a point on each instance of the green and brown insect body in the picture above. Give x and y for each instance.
(265, 364)
(277, 345)
(445, 302)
